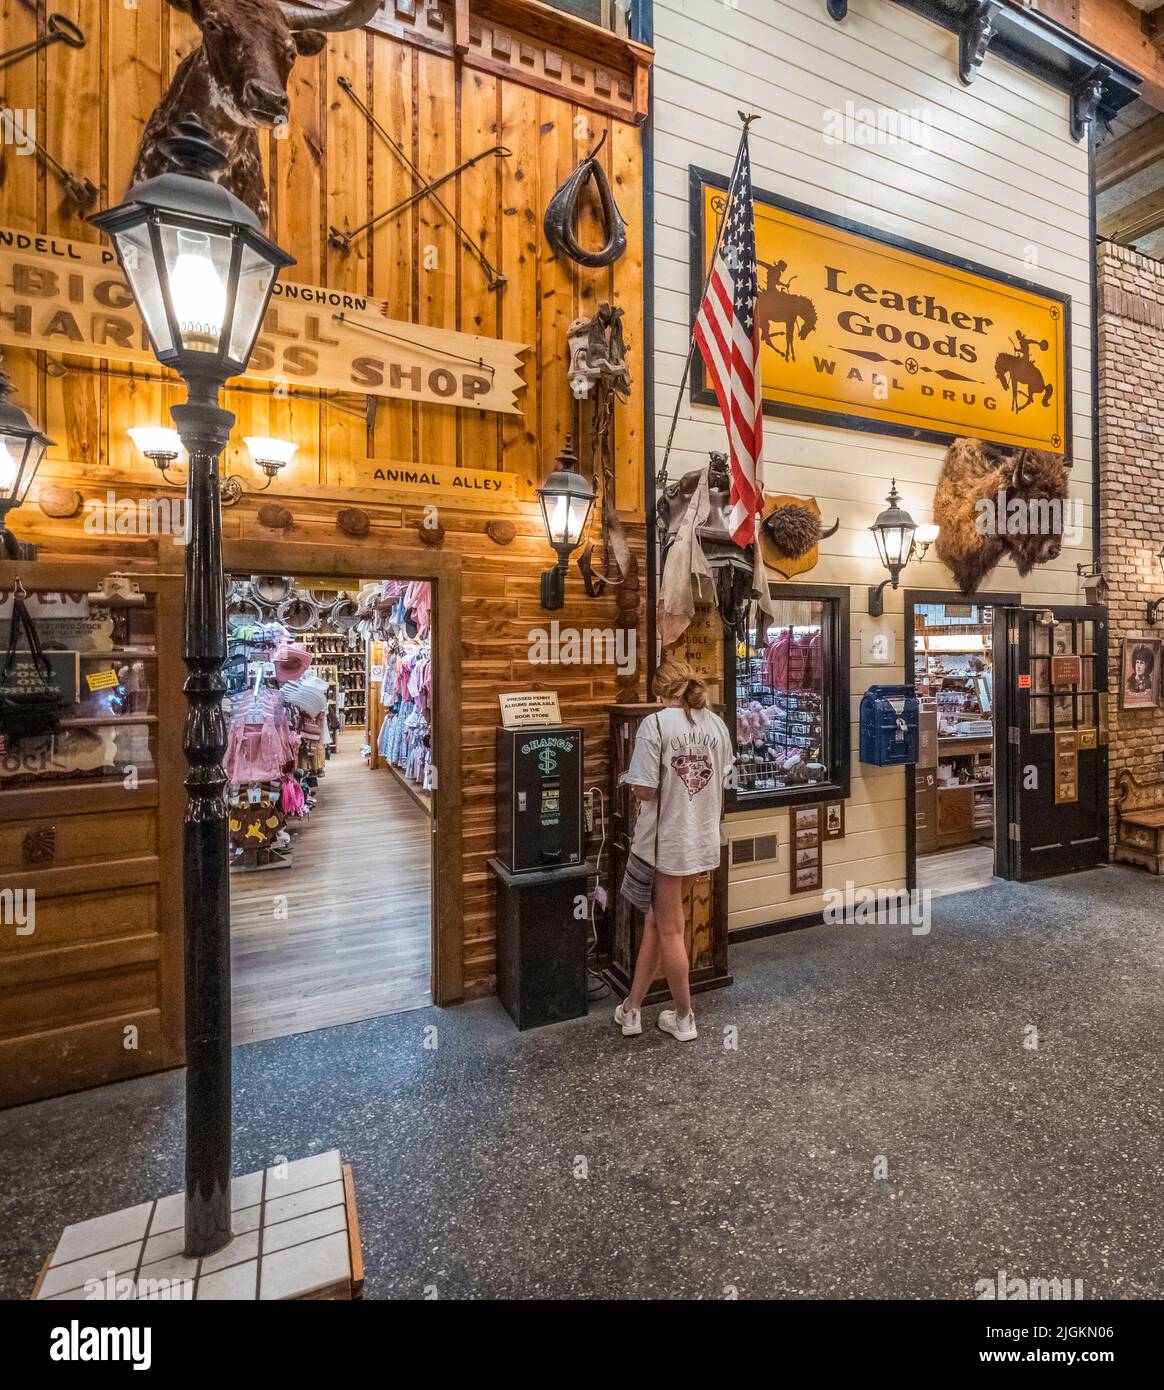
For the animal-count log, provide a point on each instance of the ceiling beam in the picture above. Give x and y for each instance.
(1123, 156)
(1117, 28)
(1135, 220)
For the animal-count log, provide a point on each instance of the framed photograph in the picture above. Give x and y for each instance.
(1140, 673)
(834, 827)
(805, 859)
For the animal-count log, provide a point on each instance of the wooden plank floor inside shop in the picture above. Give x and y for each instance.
(956, 870)
(355, 939)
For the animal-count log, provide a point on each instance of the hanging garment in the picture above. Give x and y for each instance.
(260, 742)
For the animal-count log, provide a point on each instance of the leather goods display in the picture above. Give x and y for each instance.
(562, 214)
(27, 707)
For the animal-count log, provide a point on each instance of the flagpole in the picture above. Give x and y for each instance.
(661, 476)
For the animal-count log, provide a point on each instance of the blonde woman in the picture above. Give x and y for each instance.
(681, 757)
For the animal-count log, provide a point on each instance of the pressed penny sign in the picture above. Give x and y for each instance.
(527, 709)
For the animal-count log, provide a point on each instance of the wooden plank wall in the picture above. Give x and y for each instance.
(91, 106)
(1001, 183)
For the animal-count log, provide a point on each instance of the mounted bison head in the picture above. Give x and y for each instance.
(236, 82)
(992, 501)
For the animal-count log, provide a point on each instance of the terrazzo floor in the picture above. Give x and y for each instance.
(864, 1114)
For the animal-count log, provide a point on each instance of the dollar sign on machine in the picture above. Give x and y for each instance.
(547, 760)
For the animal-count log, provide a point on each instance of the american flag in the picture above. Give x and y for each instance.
(725, 330)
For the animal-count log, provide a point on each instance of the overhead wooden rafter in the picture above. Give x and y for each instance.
(1117, 27)
(1136, 219)
(1129, 154)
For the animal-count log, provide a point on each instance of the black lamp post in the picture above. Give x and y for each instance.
(566, 498)
(202, 273)
(22, 446)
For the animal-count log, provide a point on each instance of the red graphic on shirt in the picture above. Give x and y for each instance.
(695, 770)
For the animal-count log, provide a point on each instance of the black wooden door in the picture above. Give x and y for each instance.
(1054, 816)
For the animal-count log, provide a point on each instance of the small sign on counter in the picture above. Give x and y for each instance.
(527, 709)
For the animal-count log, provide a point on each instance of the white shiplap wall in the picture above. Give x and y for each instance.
(1001, 183)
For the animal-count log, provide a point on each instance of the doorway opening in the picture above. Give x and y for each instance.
(330, 758)
(951, 807)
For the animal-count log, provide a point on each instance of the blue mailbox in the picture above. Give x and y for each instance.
(889, 725)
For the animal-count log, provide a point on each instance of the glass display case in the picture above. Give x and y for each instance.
(104, 658)
(787, 690)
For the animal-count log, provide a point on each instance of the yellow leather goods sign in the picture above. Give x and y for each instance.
(863, 330)
(71, 297)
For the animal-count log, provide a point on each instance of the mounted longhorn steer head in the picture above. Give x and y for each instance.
(236, 82)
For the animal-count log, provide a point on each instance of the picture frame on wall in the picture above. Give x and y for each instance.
(807, 834)
(1140, 673)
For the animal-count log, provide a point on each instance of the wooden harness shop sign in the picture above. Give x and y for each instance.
(70, 296)
(869, 331)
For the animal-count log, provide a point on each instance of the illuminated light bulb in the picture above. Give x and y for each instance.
(558, 520)
(198, 293)
(7, 468)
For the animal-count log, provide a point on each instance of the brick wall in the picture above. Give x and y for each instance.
(1131, 466)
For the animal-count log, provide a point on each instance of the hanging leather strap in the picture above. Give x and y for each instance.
(562, 214)
(22, 619)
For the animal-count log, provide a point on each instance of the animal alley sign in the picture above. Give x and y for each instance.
(71, 297)
(871, 332)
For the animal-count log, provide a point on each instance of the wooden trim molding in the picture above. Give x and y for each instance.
(531, 43)
(443, 570)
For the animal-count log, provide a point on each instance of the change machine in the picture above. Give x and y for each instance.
(539, 798)
(542, 874)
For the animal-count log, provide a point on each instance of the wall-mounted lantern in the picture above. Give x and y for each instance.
(22, 446)
(160, 445)
(566, 498)
(899, 540)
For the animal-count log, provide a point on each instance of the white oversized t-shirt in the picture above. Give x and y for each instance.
(697, 755)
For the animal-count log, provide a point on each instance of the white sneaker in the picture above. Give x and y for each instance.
(631, 1021)
(681, 1028)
